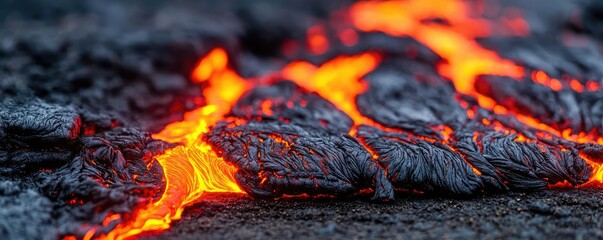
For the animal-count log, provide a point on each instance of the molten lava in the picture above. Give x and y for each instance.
(455, 41)
(338, 80)
(317, 42)
(192, 168)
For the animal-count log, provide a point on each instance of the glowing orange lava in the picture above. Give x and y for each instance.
(597, 176)
(454, 41)
(317, 41)
(192, 168)
(338, 80)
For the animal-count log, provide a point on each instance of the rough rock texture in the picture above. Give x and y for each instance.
(73, 177)
(565, 109)
(300, 146)
(288, 103)
(277, 159)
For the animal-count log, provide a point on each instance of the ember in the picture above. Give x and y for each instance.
(371, 97)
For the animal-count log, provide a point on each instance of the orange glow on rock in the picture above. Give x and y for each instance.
(575, 84)
(597, 175)
(317, 41)
(455, 41)
(593, 86)
(266, 107)
(192, 168)
(552, 83)
(338, 80)
(465, 58)
(556, 85)
(514, 21)
(348, 37)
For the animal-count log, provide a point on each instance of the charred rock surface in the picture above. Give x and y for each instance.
(72, 63)
(70, 177)
(591, 18)
(558, 59)
(288, 103)
(562, 109)
(397, 95)
(531, 165)
(264, 27)
(432, 166)
(276, 159)
(420, 154)
(35, 135)
(412, 163)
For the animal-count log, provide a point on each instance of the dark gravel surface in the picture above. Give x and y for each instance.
(551, 214)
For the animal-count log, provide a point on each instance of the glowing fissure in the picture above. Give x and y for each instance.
(555, 84)
(192, 168)
(338, 80)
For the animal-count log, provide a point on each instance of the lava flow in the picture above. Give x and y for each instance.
(192, 168)
(454, 41)
(338, 80)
